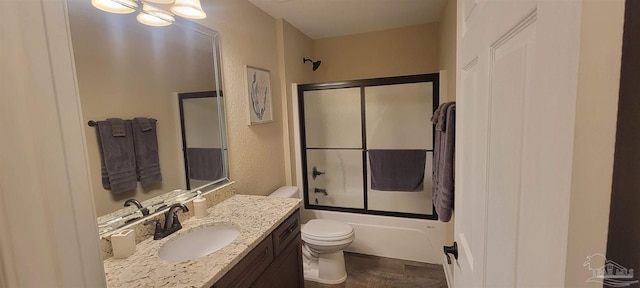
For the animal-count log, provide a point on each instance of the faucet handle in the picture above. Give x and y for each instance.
(157, 234)
(316, 173)
(176, 222)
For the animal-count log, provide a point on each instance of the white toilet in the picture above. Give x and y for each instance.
(324, 241)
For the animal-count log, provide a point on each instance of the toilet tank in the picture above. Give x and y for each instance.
(285, 192)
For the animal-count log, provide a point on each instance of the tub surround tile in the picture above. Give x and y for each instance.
(255, 216)
(143, 232)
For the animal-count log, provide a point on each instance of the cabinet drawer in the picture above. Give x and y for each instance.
(250, 267)
(288, 231)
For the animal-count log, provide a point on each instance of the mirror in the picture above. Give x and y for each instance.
(125, 70)
(202, 151)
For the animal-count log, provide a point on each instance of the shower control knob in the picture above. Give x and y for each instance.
(453, 250)
(316, 173)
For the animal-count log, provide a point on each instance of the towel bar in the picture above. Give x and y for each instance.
(92, 123)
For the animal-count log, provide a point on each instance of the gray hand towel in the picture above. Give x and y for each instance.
(397, 170)
(441, 108)
(144, 123)
(147, 158)
(118, 165)
(444, 166)
(441, 122)
(205, 163)
(117, 127)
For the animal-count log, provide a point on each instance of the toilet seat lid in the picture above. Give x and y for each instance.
(326, 229)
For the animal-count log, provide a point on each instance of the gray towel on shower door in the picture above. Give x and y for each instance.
(118, 165)
(397, 170)
(443, 162)
(146, 147)
(204, 163)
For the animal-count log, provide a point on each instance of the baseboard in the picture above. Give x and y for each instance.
(447, 272)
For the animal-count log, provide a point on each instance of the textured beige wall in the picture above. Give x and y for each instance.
(402, 51)
(596, 114)
(122, 74)
(293, 46)
(395, 52)
(447, 52)
(248, 37)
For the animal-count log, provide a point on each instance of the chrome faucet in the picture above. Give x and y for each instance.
(171, 222)
(144, 210)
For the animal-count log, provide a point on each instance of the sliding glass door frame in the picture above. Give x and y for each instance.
(434, 78)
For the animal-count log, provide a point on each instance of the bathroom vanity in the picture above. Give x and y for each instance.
(266, 253)
(275, 262)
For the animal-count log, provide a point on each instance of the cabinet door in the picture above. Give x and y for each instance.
(286, 270)
(249, 268)
(288, 231)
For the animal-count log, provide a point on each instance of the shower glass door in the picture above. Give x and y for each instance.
(333, 125)
(398, 119)
(367, 145)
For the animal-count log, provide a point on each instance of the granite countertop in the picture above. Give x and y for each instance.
(255, 216)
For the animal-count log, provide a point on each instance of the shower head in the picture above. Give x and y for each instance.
(316, 64)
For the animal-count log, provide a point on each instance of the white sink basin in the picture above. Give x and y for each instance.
(198, 242)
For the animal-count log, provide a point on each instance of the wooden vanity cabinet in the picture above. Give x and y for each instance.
(276, 262)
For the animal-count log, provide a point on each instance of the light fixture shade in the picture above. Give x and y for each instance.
(154, 16)
(115, 6)
(160, 1)
(188, 9)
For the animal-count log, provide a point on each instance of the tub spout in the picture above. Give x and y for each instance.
(323, 191)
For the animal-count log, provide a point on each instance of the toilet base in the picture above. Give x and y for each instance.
(326, 268)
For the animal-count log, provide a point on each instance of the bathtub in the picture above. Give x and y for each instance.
(401, 238)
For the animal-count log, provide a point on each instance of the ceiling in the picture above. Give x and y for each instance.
(330, 18)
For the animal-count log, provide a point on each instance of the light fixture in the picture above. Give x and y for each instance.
(116, 6)
(188, 9)
(153, 16)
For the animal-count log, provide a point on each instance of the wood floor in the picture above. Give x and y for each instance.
(377, 272)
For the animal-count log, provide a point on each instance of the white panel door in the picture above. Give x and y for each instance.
(516, 107)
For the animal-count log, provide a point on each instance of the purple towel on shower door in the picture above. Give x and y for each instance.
(118, 164)
(146, 145)
(397, 170)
